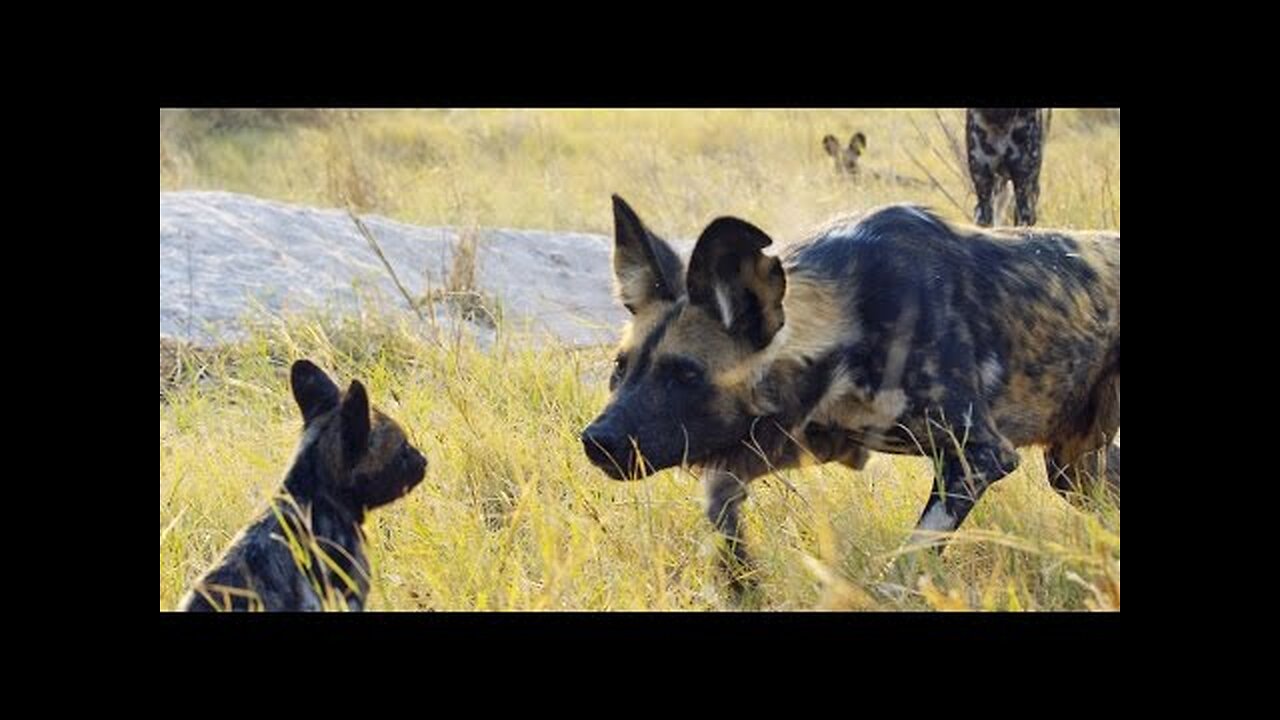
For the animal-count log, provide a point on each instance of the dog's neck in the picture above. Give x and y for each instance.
(314, 504)
(311, 484)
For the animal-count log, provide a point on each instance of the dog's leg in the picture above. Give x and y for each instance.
(725, 492)
(1079, 462)
(1026, 174)
(984, 182)
(980, 169)
(1026, 188)
(725, 483)
(963, 479)
(1077, 476)
(972, 454)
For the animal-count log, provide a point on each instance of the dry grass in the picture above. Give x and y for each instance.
(556, 169)
(512, 515)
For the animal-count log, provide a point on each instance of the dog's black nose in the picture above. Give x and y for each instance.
(602, 443)
(417, 462)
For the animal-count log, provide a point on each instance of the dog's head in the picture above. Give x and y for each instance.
(683, 385)
(846, 158)
(359, 453)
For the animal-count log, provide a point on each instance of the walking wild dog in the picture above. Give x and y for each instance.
(893, 332)
(306, 552)
(1006, 145)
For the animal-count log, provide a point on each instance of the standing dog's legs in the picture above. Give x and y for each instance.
(1026, 188)
(984, 182)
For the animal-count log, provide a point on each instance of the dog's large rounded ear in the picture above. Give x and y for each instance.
(645, 268)
(741, 286)
(831, 145)
(355, 423)
(312, 389)
(858, 142)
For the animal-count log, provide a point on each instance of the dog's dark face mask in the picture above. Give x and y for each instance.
(367, 458)
(681, 390)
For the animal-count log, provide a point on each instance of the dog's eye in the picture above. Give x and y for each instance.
(686, 373)
(619, 369)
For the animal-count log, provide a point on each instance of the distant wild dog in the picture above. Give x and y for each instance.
(894, 332)
(1006, 145)
(846, 158)
(847, 162)
(306, 552)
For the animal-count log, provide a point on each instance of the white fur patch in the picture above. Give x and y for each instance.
(888, 406)
(989, 372)
(935, 521)
(308, 439)
(722, 302)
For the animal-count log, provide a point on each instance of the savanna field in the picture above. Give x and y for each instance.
(512, 515)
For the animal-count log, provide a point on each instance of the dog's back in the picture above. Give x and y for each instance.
(260, 571)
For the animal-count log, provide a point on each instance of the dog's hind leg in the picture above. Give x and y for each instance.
(1080, 463)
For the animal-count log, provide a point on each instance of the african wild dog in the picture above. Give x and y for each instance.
(847, 162)
(846, 158)
(893, 332)
(1003, 145)
(306, 552)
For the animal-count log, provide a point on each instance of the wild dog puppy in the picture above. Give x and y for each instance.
(306, 552)
(893, 332)
(1003, 145)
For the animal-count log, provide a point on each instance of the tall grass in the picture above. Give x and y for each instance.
(511, 514)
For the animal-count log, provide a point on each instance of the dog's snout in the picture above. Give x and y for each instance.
(415, 461)
(602, 443)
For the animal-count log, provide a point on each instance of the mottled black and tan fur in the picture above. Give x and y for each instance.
(894, 331)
